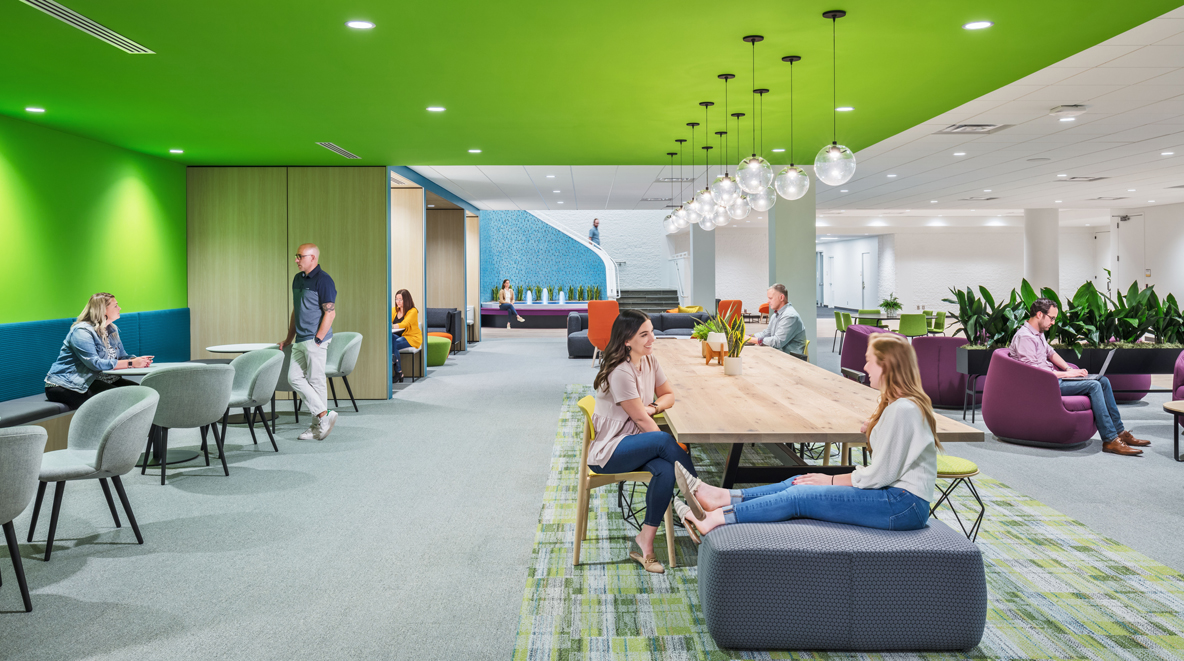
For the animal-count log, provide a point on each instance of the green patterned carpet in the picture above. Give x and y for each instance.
(1058, 590)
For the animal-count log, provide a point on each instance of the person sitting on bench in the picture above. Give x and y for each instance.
(92, 346)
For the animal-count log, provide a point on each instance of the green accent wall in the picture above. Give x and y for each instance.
(79, 216)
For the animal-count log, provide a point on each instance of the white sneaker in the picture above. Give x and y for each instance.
(520, 319)
(311, 433)
(326, 425)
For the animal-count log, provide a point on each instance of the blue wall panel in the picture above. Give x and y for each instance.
(519, 246)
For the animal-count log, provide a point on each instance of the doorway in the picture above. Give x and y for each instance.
(1101, 259)
(864, 259)
(819, 278)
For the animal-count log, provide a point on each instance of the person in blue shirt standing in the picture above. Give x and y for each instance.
(310, 329)
(594, 233)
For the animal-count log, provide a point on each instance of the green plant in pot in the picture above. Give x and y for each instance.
(891, 306)
(734, 330)
(493, 295)
(580, 296)
(571, 293)
(518, 293)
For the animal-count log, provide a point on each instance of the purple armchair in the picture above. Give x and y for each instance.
(937, 357)
(1024, 404)
(854, 355)
(1178, 380)
(1140, 382)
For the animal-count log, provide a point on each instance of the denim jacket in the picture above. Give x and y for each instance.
(84, 357)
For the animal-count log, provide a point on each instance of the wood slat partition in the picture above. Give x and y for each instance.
(236, 226)
(473, 293)
(343, 211)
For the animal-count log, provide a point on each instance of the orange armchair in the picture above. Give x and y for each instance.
(764, 310)
(729, 308)
(601, 315)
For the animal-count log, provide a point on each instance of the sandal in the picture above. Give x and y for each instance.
(688, 484)
(649, 563)
(682, 511)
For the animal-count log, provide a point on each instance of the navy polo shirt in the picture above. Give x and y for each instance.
(309, 292)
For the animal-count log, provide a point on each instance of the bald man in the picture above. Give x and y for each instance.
(309, 330)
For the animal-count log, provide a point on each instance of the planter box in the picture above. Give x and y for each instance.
(974, 361)
(1126, 361)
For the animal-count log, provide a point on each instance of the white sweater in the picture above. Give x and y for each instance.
(903, 453)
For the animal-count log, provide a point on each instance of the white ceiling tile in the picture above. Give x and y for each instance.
(1151, 32)
(1151, 56)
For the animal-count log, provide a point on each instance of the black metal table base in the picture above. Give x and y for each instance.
(734, 473)
(171, 457)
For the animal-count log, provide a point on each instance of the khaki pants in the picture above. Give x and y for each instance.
(307, 374)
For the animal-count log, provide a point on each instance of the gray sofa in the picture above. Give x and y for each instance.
(815, 585)
(446, 320)
(665, 323)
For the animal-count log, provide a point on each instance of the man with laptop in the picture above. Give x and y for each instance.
(1030, 346)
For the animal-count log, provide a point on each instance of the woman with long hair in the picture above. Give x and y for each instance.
(92, 347)
(630, 390)
(505, 298)
(893, 493)
(404, 316)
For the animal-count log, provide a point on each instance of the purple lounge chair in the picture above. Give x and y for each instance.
(1024, 404)
(1141, 382)
(854, 355)
(1178, 380)
(937, 357)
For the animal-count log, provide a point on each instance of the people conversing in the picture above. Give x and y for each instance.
(406, 318)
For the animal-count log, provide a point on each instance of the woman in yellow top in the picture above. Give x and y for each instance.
(404, 316)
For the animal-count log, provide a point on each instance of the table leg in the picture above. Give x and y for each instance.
(1176, 438)
(732, 465)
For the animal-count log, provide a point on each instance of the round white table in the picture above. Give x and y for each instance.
(141, 371)
(242, 348)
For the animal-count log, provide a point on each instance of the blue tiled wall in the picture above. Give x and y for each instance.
(519, 246)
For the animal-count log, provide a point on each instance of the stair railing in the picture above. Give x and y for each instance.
(611, 272)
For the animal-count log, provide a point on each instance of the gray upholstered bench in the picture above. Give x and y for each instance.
(27, 410)
(814, 585)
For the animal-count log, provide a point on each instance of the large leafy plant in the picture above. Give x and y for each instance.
(734, 331)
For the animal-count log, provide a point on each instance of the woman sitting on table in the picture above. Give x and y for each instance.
(92, 347)
(893, 493)
(506, 298)
(630, 390)
(406, 317)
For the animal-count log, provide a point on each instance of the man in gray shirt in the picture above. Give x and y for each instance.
(310, 328)
(594, 233)
(785, 331)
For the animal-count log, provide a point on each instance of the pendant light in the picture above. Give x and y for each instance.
(754, 173)
(721, 210)
(680, 215)
(765, 198)
(724, 189)
(668, 221)
(739, 209)
(835, 164)
(792, 183)
(703, 198)
(691, 215)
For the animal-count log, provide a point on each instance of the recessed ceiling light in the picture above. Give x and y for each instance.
(1130, 190)
(474, 151)
(842, 190)
(986, 190)
(1166, 153)
(778, 150)
(891, 175)
(34, 109)
(176, 151)
(1149, 201)
(435, 108)
(561, 201)
(1068, 119)
(844, 109)
(360, 25)
(933, 201)
(1057, 201)
(550, 176)
(554, 191)
(1062, 175)
(977, 25)
(959, 153)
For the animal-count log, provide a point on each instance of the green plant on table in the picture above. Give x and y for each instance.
(735, 332)
(890, 304)
(712, 325)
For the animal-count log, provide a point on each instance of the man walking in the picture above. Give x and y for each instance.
(311, 328)
(594, 233)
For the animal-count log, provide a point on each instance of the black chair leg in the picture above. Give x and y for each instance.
(351, 393)
(163, 451)
(15, 554)
(267, 429)
(127, 508)
(333, 389)
(110, 501)
(37, 508)
(58, 489)
(225, 417)
(834, 340)
(148, 449)
(250, 416)
(296, 407)
(219, 440)
(273, 411)
(205, 445)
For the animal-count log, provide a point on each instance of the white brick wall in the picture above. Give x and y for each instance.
(635, 237)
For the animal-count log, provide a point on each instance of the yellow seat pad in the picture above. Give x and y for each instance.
(948, 465)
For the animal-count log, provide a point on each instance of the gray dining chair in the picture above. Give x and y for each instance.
(21, 449)
(191, 397)
(283, 385)
(103, 442)
(256, 374)
(340, 360)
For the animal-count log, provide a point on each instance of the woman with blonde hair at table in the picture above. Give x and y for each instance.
(630, 390)
(893, 493)
(92, 347)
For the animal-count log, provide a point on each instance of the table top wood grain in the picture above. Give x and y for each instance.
(778, 399)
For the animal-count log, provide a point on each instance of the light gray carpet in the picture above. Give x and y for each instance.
(405, 535)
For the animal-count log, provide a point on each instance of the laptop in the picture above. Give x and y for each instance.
(1094, 377)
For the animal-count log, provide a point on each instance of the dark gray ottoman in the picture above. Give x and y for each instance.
(813, 585)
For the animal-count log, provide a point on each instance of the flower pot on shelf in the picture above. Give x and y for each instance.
(733, 365)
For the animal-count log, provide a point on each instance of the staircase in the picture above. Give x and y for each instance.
(648, 300)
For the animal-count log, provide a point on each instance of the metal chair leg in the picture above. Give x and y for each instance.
(205, 446)
(37, 508)
(267, 429)
(250, 416)
(333, 389)
(58, 489)
(110, 502)
(127, 508)
(219, 440)
(163, 454)
(15, 553)
(349, 390)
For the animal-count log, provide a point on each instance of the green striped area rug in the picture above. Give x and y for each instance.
(1058, 590)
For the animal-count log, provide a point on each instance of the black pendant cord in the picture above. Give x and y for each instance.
(762, 125)
(682, 185)
(834, 78)
(754, 100)
(791, 159)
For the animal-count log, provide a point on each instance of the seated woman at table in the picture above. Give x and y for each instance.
(405, 316)
(630, 390)
(92, 347)
(893, 493)
(506, 298)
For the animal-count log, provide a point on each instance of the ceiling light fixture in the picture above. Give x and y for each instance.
(668, 222)
(777, 150)
(1130, 190)
(959, 153)
(704, 198)
(977, 25)
(725, 189)
(835, 164)
(933, 201)
(1068, 119)
(176, 151)
(844, 109)
(1062, 175)
(474, 151)
(561, 201)
(792, 182)
(1057, 201)
(34, 109)
(1166, 153)
(550, 176)
(679, 216)
(1150, 201)
(691, 206)
(986, 190)
(360, 25)
(435, 108)
(554, 191)
(754, 174)
(891, 175)
(739, 209)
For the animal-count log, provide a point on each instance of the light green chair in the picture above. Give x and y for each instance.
(437, 350)
(913, 325)
(939, 324)
(928, 321)
(870, 322)
(841, 323)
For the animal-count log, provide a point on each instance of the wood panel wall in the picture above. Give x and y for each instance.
(445, 258)
(407, 250)
(474, 295)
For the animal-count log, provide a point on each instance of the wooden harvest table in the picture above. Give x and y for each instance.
(779, 399)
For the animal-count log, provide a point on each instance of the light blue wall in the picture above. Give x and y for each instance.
(519, 246)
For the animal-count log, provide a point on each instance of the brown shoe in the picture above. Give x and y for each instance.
(1118, 447)
(1130, 440)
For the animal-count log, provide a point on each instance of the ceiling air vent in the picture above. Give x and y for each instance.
(973, 128)
(1105, 199)
(1082, 179)
(978, 199)
(71, 17)
(655, 199)
(400, 182)
(670, 179)
(337, 150)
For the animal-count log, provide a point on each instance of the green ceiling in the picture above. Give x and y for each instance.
(540, 82)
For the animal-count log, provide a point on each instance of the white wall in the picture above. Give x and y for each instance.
(1077, 260)
(742, 265)
(841, 277)
(887, 267)
(634, 237)
(1162, 251)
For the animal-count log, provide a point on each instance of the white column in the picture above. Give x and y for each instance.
(791, 253)
(1042, 248)
(702, 268)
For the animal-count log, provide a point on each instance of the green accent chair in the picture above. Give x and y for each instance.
(939, 325)
(437, 350)
(913, 325)
(870, 322)
(841, 323)
(928, 321)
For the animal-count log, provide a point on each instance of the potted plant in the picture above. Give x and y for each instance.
(734, 330)
(712, 336)
(891, 306)
(493, 296)
(518, 293)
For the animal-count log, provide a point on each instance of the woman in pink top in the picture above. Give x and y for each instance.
(630, 390)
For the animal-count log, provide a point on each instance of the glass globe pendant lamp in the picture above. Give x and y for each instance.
(754, 174)
(678, 218)
(725, 190)
(834, 165)
(792, 183)
(704, 202)
(707, 223)
(739, 209)
(690, 216)
(668, 224)
(764, 200)
(721, 216)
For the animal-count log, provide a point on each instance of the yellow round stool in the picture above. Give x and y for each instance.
(958, 471)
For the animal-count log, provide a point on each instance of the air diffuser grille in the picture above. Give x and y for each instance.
(974, 128)
(338, 150)
(655, 199)
(71, 17)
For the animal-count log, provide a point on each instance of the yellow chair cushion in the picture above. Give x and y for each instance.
(690, 309)
(955, 466)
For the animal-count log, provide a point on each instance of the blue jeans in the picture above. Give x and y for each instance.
(656, 452)
(398, 342)
(1101, 400)
(509, 309)
(889, 508)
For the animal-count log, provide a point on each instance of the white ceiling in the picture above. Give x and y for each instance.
(1132, 85)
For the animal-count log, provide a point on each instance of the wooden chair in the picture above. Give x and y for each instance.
(730, 308)
(589, 480)
(601, 315)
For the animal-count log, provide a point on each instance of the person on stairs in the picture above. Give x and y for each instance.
(310, 329)
(506, 300)
(405, 316)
